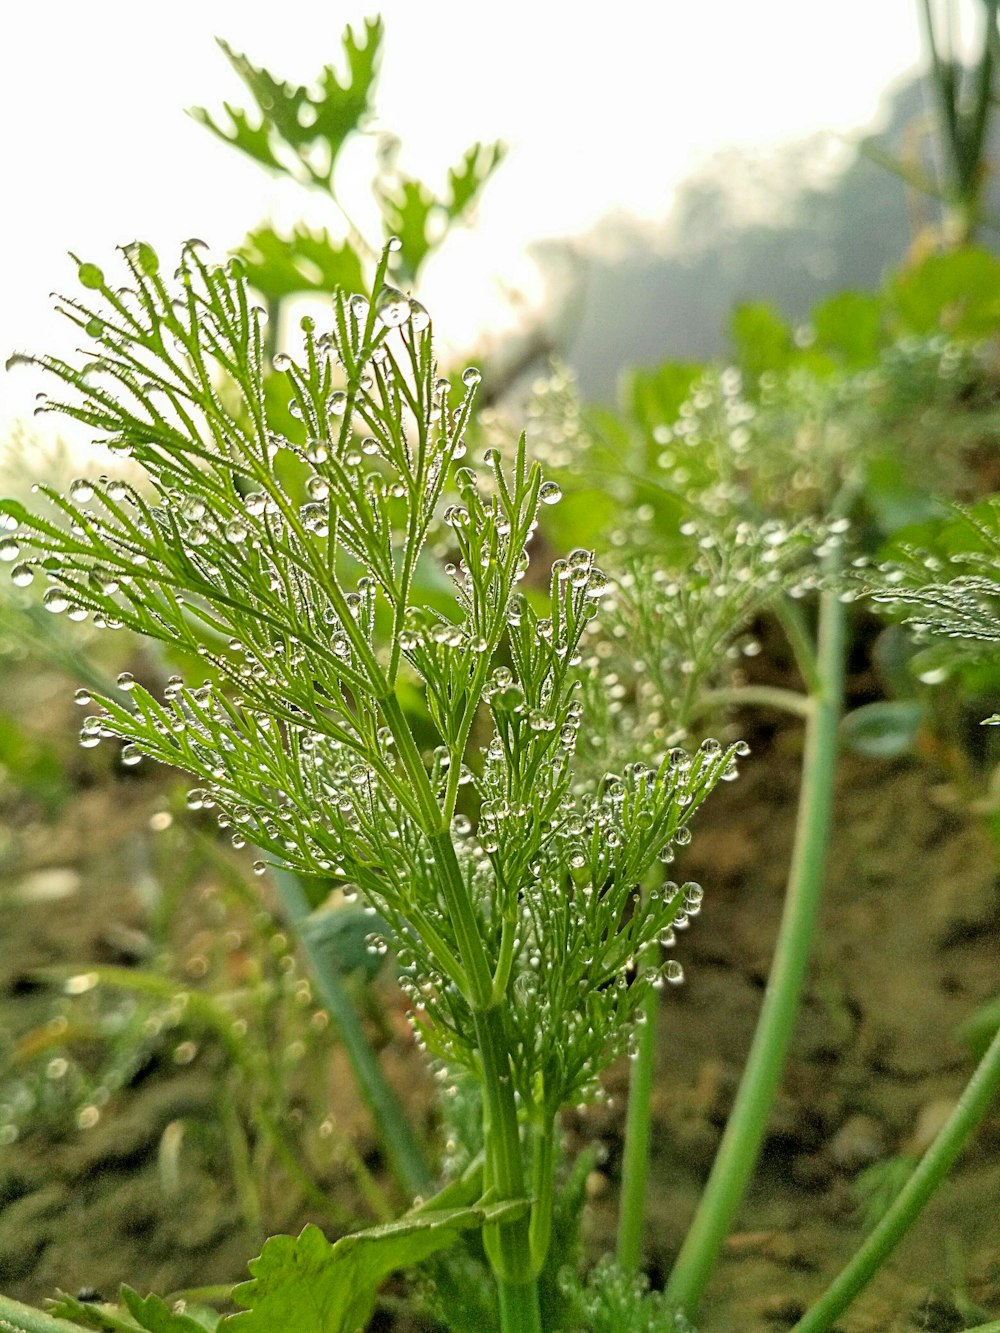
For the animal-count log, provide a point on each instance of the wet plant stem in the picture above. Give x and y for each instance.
(975, 1101)
(408, 1162)
(745, 1130)
(638, 1123)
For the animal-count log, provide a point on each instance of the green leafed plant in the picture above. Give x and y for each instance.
(508, 880)
(300, 132)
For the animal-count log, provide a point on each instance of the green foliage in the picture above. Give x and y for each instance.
(300, 132)
(32, 764)
(306, 1285)
(876, 1188)
(964, 607)
(883, 729)
(418, 218)
(610, 1301)
(148, 1313)
(508, 878)
(848, 328)
(957, 293)
(288, 122)
(304, 763)
(761, 338)
(306, 261)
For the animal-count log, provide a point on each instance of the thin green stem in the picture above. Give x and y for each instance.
(18, 1318)
(635, 1165)
(505, 961)
(507, 1245)
(244, 1177)
(479, 978)
(744, 1133)
(973, 1104)
(792, 621)
(408, 1162)
(750, 696)
(272, 336)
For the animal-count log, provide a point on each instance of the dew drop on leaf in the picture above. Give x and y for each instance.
(392, 307)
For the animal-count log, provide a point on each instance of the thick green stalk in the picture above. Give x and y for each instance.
(401, 1146)
(635, 1166)
(973, 1104)
(519, 1307)
(18, 1318)
(508, 1246)
(744, 1133)
(543, 1167)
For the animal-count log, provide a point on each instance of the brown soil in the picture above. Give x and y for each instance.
(906, 951)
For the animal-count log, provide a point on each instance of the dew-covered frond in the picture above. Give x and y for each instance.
(964, 607)
(669, 634)
(296, 565)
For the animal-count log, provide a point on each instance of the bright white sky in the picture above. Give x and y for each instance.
(606, 107)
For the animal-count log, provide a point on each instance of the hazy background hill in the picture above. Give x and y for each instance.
(788, 228)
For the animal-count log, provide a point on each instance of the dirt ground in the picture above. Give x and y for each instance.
(906, 951)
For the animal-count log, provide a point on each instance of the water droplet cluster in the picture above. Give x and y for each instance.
(298, 552)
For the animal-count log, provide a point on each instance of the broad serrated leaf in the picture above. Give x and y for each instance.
(848, 327)
(467, 179)
(134, 1312)
(407, 212)
(305, 1284)
(957, 292)
(306, 261)
(762, 339)
(153, 1314)
(299, 116)
(254, 140)
(411, 212)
